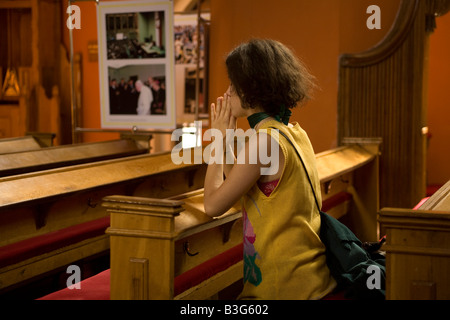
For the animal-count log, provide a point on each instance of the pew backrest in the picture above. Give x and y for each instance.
(26, 143)
(67, 155)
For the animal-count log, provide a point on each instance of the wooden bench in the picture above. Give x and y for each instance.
(68, 198)
(33, 141)
(418, 249)
(67, 155)
(169, 249)
(154, 241)
(55, 218)
(349, 178)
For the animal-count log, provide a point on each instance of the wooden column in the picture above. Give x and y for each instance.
(142, 244)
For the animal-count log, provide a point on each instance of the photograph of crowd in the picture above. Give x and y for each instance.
(135, 35)
(137, 90)
(186, 42)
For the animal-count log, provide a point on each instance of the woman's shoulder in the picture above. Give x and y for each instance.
(293, 130)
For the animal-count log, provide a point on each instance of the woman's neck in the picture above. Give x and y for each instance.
(256, 118)
(259, 124)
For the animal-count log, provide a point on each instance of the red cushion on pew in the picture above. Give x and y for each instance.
(421, 202)
(206, 270)
(98, 286)
(94, 288)
(25, 249)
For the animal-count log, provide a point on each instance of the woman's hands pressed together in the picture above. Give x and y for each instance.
(221, 116)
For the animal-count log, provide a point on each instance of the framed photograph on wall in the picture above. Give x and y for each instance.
(136, 64)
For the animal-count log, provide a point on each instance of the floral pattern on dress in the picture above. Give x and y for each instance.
(252, 273)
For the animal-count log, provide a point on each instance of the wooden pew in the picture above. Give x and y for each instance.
(49, 219)
(154, 242)
(351, 173)
(67, 155)
(68, 198)
(418, 249)
(33, 141)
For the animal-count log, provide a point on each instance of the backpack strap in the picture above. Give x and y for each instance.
(303, 164)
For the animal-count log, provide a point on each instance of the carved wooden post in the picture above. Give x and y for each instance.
(417, 254)
(418, 249)
(142, 244)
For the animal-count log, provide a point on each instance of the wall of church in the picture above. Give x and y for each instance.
(319, 32)
(438, 169)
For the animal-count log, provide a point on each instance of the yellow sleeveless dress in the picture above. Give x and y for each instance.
(283, 255)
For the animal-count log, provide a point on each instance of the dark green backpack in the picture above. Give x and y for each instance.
(360, 273)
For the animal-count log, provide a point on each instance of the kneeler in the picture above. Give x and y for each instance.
(98, 287)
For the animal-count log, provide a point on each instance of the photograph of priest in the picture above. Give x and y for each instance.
(145, 98)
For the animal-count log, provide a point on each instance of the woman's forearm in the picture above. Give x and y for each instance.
(213, 180)
(229, 159)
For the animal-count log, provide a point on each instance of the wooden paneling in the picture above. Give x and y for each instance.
(418, 249)
(30, 33)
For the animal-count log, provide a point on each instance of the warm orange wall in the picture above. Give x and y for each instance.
(354, 35)
(439, 103)
(319, 31)
(91, 86)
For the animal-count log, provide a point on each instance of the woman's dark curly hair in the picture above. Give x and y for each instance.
(267, 74)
